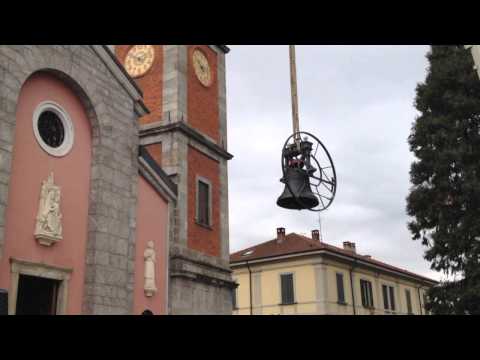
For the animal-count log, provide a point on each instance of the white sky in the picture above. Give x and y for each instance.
(359, 101)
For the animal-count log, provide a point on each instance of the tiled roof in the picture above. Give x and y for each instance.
(299, 244)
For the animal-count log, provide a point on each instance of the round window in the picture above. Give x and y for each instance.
(53, 129)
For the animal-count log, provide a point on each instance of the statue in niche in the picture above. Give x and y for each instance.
(48, 229)
(149, 257)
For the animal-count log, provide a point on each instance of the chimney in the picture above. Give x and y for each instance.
(349, 246)
(280, 235)
(316, 235)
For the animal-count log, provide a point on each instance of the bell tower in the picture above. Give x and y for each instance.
(184, 88)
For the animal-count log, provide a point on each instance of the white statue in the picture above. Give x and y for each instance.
(149, 257)
(48, 229)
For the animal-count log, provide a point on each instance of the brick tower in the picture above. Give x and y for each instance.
(186, 134)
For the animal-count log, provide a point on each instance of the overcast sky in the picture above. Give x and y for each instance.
(359, 101)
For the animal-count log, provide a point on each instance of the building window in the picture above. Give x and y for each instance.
(53, 129)
(367, 293)
(204, 198)
(287, 289)
(388, 297)
(409, 301)
(340, 289)
(234, 299)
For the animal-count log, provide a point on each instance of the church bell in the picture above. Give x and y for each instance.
(299, 163)
(297, 194)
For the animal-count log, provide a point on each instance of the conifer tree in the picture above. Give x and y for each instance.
(444, 201)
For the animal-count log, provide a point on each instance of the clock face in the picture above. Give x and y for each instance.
(202, 68)
(139, 60)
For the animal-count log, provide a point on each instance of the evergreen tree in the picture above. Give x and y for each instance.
(444, 200)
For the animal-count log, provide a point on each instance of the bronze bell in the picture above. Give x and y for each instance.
(299, 182)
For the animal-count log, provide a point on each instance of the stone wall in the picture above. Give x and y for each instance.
(198, 283)
(114, 173)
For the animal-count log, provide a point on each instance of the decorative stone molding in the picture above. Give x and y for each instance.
(21, 267)
(149, 256)
(68, 128)
(48, 228)
(152, 130)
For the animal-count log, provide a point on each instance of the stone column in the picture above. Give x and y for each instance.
(175, 83)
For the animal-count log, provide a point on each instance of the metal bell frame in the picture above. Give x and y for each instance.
(323, 179)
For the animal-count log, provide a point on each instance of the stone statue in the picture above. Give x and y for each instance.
(48, 228)
(149, 257)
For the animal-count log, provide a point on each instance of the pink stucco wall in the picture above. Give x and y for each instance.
(30, 166)
(152, 221)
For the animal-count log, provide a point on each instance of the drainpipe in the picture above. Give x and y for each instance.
(419, 301)
(250, 287)
(351, 287)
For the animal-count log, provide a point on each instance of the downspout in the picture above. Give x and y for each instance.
(250, 287)
(351, 288)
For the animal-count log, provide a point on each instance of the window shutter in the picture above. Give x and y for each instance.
(392, 298)
(385, 297)
(409, 301)
(364, 293)
(287, 289)
(340, 289)
(234, 298)
(370, 293)
(367, 293)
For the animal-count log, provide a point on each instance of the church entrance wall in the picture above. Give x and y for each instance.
(47, 211)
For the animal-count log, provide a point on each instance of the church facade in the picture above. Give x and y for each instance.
(113, 180)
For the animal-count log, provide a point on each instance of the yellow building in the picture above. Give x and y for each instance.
(294, 274)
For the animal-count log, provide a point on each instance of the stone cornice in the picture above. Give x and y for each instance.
(195, 269)
(25, 263)
(225, 49)
(161, 178)
(189, 132)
